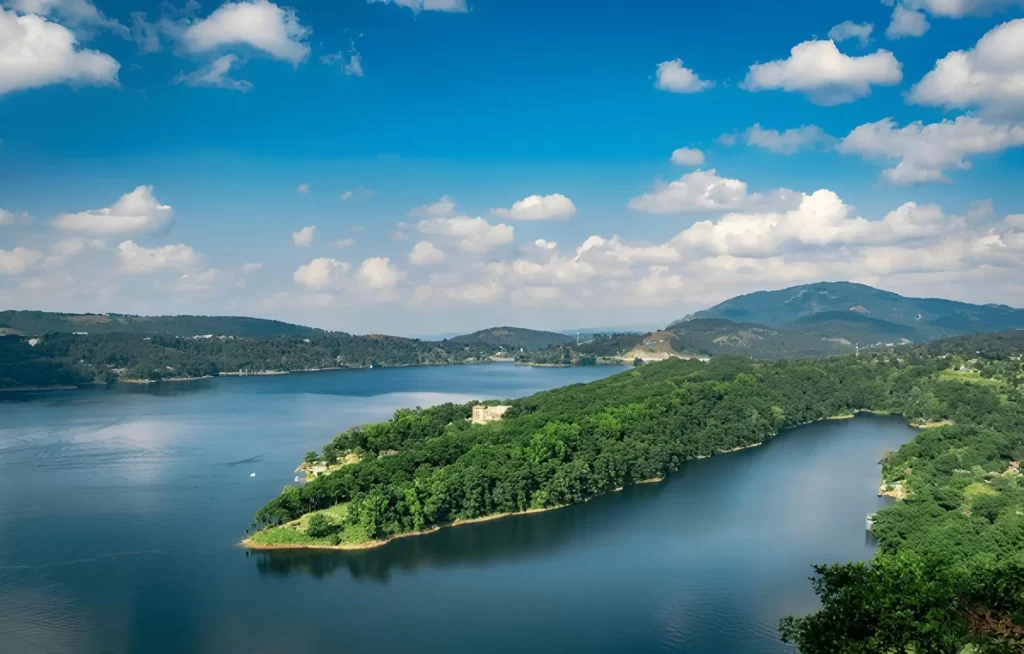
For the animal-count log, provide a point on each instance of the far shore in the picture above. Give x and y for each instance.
(272, 373)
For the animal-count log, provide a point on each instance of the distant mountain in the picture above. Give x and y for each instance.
(864, 315)
(514, 338)
(37, 323)
(719, 336)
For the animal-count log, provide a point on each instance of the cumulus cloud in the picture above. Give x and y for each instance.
(18, 260)
(539, 207)
(249, 268)
(925, 152)
(137, 259)
(136, 212)
(906, 22)
(451, 6)
(304, 236)
(426, 253)
(961, 8)
(703, 190)
(78, 14)
(321, 273)
(379, 274)
(257, 23)
(35, 52)
(673, 76)
(851, 30)
(789, 141)
(545, 244)
(989, 76)
(443, 207)
(216, 75)
(6, 217)
(824, 74)
(472, 234)
(821, 220)
(688, 157)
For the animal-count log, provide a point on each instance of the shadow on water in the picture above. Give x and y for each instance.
(508, 539)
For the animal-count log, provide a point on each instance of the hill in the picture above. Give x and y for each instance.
(863, 314)
(514, 338)
(717, 337)
(37, 323)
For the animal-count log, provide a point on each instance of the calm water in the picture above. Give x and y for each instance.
(120, 510)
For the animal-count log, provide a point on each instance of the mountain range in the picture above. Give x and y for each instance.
(819, 319)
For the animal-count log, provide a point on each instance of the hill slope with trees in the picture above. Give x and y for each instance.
(950, 570)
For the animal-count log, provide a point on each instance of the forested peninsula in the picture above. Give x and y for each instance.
(950, 567)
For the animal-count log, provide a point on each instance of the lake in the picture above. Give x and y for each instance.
(120, 513)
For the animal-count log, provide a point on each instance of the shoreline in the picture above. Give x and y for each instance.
(275, 373)
(257, 547)
(368, 545)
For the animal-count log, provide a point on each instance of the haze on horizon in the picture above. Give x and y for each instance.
(416, 167)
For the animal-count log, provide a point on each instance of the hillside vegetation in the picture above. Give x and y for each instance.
(37, 323)
(864, 315)
(951, 566)
(513, 338)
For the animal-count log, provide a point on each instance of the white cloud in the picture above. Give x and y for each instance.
(687, 157)
(257, 23)
(443, 207)
(925, 152)
(138, 259)
(426, 253)
(990, 76)
(351, 63)
(703, 190)
(539, 207)
(906, 22)
(544, 244)
(35, 52)
(821, 220)
(249, 268)
(302, 189)
(378, 273)
(136, 212)
(672, 76)
(342, 243)
(961, 8)
(354, 67)
(321, 273)
(473, 234)
(304, 236)
(76, 13)
(347, 195)
(827, 76)
(851, 30)
(216, 75)
(202, 281)
(659, 286)
(452, 6)
(6, 218)
(615, 250)
(477, 293)
(789, 141)
(18, 260)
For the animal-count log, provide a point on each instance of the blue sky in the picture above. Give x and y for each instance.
(234, 126)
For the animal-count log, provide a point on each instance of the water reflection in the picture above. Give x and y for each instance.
(514, 538)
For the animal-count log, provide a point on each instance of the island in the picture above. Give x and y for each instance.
(951, 555)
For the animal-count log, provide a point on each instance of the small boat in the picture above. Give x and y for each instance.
(298, 478)
(252, 474)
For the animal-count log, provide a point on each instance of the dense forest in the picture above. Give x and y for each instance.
(950, 568)
(69, 359)
(37, 323)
